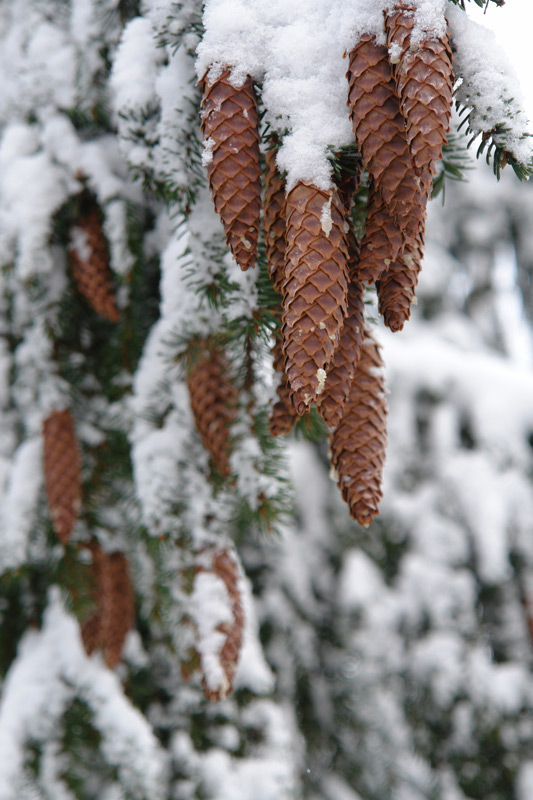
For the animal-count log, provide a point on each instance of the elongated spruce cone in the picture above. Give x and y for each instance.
(274, 220)
(424, 80)
(117, 606)
(107, 626)
(89, 264)
(379, 130)
(224, 566)
(231, 141)
(342, 369)
(283, 416)
(213, 399)
(358, 443)
(396, 287)
(62, 472)
(382, 240)
(315, 288)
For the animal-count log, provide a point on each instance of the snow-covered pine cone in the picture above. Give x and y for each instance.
(274, 219)
(382, 240)
(231, 142)
(342, 369)
(396, 287)
(424, 80)
(283, 415)
(223, 564)
(89, 264)
(117, 606)
(379, 130)
(358, 443)
(315, 288)
(213, 399)
(62, 472)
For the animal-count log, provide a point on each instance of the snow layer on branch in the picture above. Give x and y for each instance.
(18, 509)
(296, 52)
(50, 669)
(489, 85)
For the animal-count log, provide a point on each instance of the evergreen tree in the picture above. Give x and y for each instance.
(197, 238)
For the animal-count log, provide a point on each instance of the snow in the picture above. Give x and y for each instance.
(18, 509)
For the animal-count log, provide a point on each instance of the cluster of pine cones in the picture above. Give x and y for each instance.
(112, 601)
(400, 100)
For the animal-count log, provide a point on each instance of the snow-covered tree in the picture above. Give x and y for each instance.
(209, 214)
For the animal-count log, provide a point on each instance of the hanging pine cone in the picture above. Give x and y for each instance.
(274, 220)
(379, 130)
(117, 606)
(359, 441)
(225, 567)
(213, 399)
(89, 264)
(340, 374)
(424, 80)
(62, 472)
(381, 242)
(396, 287)
(283, 415)
(231, 140)
(315, 288)
(91, 624)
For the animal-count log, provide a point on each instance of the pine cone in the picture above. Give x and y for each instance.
(229, 126)
(379, 130)
(89, 264)
(283, 415)
(91, 625)
(62, 472)
(424, 80)
(315, 288)
(358, 443)
(274, 220)
(381, 242)
(396, 287)
(224, 565)
(117, 606)
(213, 402)
(340, 374)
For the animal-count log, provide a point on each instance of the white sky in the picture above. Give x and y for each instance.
(512, 24)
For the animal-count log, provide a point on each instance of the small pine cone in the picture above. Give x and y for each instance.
(283, 415)
(62, 472)
(379, 130)
(382, 241)
(358, 443)
(229, 126)
(91, 625)
(117, 606)
(274, 220)
(424, 80)
(213, 399)
(396, 287)
(89, 264)
(340, 374)
(224, 566)
(315, 288)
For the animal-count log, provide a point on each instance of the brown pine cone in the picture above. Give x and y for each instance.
(91, 624)
(229, 126)
(117, 606)
(382, 241)
(224, 565)
(396, 287)
(341, 371)
(283, 415)
(62, 472)
(213, 399)
(424, 80)
(315, 288)
(379, 130)
(358, 442)
(89, 264)
(274, 220)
